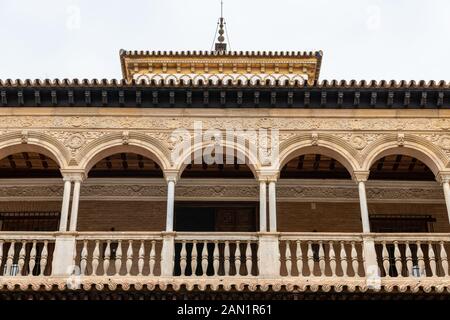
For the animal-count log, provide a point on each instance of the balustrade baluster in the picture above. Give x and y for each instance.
(409, 262)
(84, 257)
(321, 259)
(183, 254)
(32, 262)
(204, 259)
(129, 262)
(443, 255)
(248, 258)
(194, 262)
(343, 258)
(398, 260)
(226, 254)
(299, 258)
(310, 259)
(420, 259)
(95, 258)
(141, 257)
(118, 261)
(1, 256)
(332, 256)
(21, 261)
(237, 258)
(10, 258)
(355, 262)
(432, 258)
(44, 255)
(152, 261)
(288, 258)
(386, 262)
(107, 257)
(216, 258)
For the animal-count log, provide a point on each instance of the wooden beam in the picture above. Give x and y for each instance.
(412, 164)
(108, 162)
(44, 161)
(27, 160)
(332, 164)
(12, 163)
(123, 156)
(398, 159)
(317, 162)
(380, 164)
(300, 163)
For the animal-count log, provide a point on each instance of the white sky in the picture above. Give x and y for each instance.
(361, 39)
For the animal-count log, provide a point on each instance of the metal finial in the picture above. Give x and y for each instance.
(221, 46)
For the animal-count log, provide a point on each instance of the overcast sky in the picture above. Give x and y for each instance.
(361, 39)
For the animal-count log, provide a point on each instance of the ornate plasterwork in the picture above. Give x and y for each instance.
(142, 192)
(165, 123)
(357, 139)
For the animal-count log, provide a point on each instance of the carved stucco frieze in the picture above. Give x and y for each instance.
(133, 191)
(284, 123)
(441, 140)
(217, 191)
(31, 191)
(75, 140)
(359, 141)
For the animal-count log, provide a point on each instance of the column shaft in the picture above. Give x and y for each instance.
(170, 205)
(272, 207)
(65, 206)
(363, 206)
(262, 207)
(75, 203)
(446, 187)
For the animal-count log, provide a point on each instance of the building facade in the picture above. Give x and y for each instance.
(310, 187)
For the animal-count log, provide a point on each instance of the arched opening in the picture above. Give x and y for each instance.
(27, 179)
(217, 197)
(124, 191)
(404, 197)
(221, 196)
(31, 193)
(315, 193)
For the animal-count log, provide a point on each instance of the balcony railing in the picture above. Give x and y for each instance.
(196, 255)
(26, 253)
(321, 255)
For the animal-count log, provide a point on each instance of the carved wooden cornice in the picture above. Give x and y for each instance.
(219, 95)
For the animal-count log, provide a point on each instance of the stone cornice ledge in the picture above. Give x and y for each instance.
(289, 284)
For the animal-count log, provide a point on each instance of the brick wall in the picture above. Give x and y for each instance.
(300, 217)
(122, 216)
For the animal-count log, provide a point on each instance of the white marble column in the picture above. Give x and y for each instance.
(75, 204)
(272, 207)
(446, 186)
(370, 257)
(65, 205)
(170, 204)
(363, 205)
(262, 206)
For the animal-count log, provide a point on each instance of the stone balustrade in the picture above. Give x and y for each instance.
(26, 253)
(412, 255)
(211, 255)
(218, 254)
(321, 255)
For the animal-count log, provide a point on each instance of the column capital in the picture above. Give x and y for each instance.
(443, 176)
(172, 175)
(69, 175)
(267, 176)
(360, 176)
